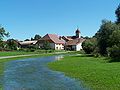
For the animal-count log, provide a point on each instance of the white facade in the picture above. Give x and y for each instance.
(79, 47)
(54, 46)
(59, 47)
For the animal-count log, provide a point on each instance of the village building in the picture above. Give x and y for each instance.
(54, 41)
(27, 44)
(74, 43)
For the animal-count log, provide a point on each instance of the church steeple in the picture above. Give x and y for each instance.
(78, 33)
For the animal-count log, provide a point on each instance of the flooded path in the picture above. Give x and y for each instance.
(33, 74)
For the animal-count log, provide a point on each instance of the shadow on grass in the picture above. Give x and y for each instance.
(114, 60)
(84, 55)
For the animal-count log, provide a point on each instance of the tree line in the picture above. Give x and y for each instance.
(11, 44)
(106, 41)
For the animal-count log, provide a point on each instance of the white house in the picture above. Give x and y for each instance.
(55, 42)
(74, 42)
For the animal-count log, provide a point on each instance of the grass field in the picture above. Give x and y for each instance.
(95, 73)
(13, 53)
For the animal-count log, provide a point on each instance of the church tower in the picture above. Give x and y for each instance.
(78, 33)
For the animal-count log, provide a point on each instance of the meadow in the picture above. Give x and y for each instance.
(95, 73)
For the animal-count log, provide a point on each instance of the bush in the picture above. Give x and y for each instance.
(89, 45)
(96, 52)
(114, 52)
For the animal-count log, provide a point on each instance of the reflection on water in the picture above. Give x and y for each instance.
(33, 74)
(59, 57)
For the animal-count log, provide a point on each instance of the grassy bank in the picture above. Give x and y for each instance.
(95, 73)
(12, 53)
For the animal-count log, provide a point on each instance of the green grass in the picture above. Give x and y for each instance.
(13, 53)
(95, 73)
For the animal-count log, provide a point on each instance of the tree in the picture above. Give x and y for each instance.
(89, 45)
(115, 38)
(117, 12)
(27, 40)
(46, 45)
(3, 45)
(12, 44)
(37, 37)
(103, 35)
(32, 39)
(114, 50)
(3, 33)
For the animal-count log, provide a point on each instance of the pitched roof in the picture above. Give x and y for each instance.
(77, 31)
(54, 38)
(67, 38)
(75, 41)
(28, 42)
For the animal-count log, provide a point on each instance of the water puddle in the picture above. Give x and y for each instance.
(33, 74)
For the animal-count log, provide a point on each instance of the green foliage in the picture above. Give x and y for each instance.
(115, 38)
(3, 45)
(114, 49)
(114, 52)
(27, 40)
(89, 45)
(46, 45)
(103, 35)
(12, 44)
(37, 37)
(108, 37)
(117, 12)
(3, 33)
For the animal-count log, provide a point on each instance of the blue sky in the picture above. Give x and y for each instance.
(25, 18)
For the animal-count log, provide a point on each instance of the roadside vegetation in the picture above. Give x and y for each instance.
(14, 53)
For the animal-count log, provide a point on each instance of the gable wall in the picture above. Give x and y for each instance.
(79, 47)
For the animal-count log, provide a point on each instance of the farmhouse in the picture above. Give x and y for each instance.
(54, 41)
(26, 44)
(74, 42)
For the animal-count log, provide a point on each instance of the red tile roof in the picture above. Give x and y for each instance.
(54, 38)
(75, 41)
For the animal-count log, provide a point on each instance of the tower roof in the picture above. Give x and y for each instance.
(77, 31)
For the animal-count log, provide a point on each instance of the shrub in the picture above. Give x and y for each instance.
(114, 52)
(89, 45)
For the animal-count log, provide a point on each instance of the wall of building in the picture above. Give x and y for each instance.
(59, 47)
(73, 47)
(52, 45)
(79, 47)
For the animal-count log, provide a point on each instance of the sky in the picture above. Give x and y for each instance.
(25, 18)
